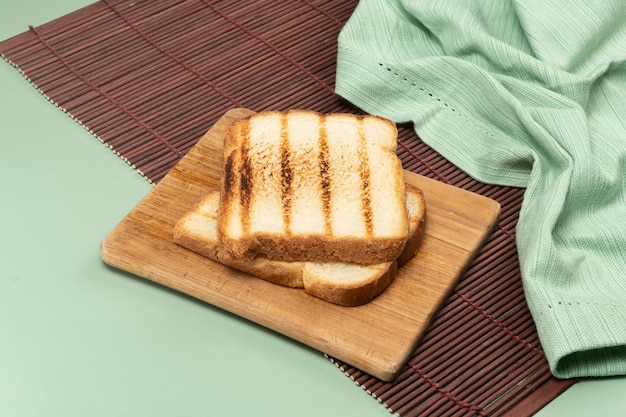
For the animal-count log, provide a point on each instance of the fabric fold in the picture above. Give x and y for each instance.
(515, 93)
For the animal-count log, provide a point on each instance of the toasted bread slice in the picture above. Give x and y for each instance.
(337, 282)
(303, 186)
(347, 284)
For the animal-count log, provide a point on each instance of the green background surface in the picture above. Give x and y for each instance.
(78, 338)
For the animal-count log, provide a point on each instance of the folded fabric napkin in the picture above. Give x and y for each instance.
(526, 93)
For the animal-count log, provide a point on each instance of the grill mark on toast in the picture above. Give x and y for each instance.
(246, 180)
(286, 174)
(325, 179)
(229, 176)
(364, 171)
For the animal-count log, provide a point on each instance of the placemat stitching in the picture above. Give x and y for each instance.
(300, 67)
(324, 12)
(100, 91)
(499, 324)
(448, 395)
(173, 57)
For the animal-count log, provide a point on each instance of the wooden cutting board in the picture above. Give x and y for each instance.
(377, 337)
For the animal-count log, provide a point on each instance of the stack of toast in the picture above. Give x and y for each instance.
(312, 201)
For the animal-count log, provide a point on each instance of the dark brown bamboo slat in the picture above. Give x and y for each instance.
(149, 78)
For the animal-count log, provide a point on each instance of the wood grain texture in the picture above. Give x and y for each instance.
(377, 337)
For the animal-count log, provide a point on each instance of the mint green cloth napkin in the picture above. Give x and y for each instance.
(528, 94)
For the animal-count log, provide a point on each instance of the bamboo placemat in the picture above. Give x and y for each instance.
(150, 78)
